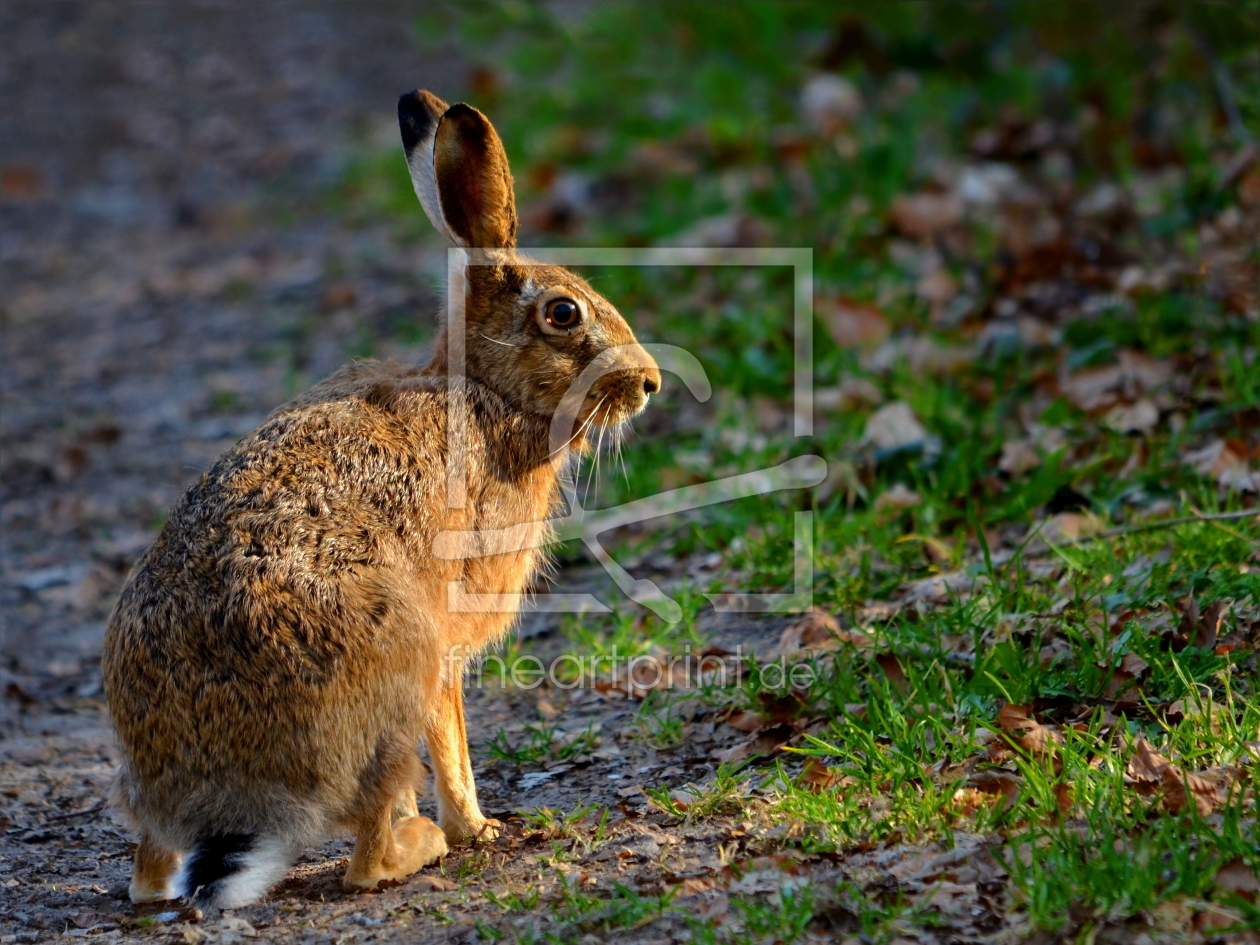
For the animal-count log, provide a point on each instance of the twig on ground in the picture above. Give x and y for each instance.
(75, 813)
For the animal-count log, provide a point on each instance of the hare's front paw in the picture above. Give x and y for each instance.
(473, 830)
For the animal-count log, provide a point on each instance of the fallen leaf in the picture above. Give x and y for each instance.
(1124, 678)
(1237, 877)
(924, 215)
(1066, 527)
(1226, 463)
(434, 884)
(891, 666)
(1139, 417)
(830, 102)
(1147, 765)
(818, 777)
(852, 324)
(1063, 795)
(1182, 787)
(1102, 387)
(692, 886)
(895, 426)
(1018, 457)
(851, 393)
(897, 499)
(1030, 735)
(745, 721)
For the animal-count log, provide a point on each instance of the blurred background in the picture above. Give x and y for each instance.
(1034, 229)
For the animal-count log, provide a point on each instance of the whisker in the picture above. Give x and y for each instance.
(505, 344)
(585, 423)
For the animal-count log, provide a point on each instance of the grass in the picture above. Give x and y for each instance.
(663, 115)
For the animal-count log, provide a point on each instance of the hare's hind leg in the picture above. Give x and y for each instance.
(152, 871)
(405, 805)
(385, 852)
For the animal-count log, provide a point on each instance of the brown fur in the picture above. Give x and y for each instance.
(278, 653)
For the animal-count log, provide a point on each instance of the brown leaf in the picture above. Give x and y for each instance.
(923, 215)
(891, 666)
(1018, 457)
(1123, 685)
(1063, 795)
(898, 499)
(852, 324)
(1197, 627)
(692, 886)
(90, 920)
(818, 777)
(747, 721)
(434, 883)
(894, 426)
(1182, 787)
(817, 630)
(1210, 625)
(1102, 387)
(1033, 737)
(996, 781)
(1146, 766)
(1237, 877)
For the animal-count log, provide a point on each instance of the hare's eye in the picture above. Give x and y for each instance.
(563, 313)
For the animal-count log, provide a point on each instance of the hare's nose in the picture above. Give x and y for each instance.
(651, 385)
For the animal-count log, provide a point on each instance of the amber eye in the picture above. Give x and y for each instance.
(563, 313)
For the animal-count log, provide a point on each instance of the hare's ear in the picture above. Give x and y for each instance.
(459, 170)
(419, 114)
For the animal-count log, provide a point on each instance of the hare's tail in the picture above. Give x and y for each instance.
(230, 869)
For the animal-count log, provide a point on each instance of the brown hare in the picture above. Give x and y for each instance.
(277, 655)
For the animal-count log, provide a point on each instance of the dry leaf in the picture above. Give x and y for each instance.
(851, 393)
(852, 324)
(1183, 787)
(817, 630)
(693, 886)
(1102, 387)
(1138, 417)
(818, 777)
(1063, 795)
(1225, 462)
(1237, 877)
(924, 215)
(1018, 457)
(995, 781)
(894, 426)
(1147, 765)
(746, 721)
(433, 884)
(898, 498)
(830, 102)
(1031, 735)
(891, 666)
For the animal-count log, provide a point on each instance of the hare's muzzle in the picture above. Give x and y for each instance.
(627, 383)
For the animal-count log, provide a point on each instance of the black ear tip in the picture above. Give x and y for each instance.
(412, 119)
(418, 115)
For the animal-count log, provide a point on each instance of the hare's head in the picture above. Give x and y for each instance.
(536, 334)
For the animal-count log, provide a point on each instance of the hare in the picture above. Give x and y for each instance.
(277, 655)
